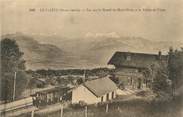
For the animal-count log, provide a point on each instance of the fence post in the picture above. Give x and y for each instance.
(85, 111)
(32, 113)
(118, 108)
(61, 111)
(107, 108)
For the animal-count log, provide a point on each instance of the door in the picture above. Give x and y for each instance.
(107, 97)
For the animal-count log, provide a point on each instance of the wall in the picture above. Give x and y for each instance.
(81, 93)
(129, 76)
(110, 96)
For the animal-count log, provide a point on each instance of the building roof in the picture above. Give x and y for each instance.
(39, 79)
(135, 60)
(101, 86)
(54, 89)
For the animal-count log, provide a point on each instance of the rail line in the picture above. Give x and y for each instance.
(26, 102)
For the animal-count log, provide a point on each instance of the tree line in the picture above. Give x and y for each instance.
(12, 70)
(51, 72)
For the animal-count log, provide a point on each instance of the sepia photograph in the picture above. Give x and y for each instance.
(91, 58)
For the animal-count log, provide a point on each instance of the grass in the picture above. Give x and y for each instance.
(131, 108)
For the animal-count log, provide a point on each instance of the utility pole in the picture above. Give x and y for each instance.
(14, 86)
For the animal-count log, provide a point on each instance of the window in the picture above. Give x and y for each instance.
(112, 95)
(107, 97)
(102, 99)
(128, 58)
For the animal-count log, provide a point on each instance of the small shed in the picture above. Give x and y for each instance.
(94, 91)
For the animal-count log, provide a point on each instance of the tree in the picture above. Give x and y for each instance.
(158, 74)
(11, 64)
(175, 67)
(80, 81)
(160, 83)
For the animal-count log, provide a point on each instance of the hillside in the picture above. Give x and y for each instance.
(56, 52)
(38, 55)
(98, 48)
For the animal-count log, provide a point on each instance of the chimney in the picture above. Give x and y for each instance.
(171, 49)
(159, 55)
(84, 75)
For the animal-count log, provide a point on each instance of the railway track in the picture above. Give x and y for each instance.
(16, 106)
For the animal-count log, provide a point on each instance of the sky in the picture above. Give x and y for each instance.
(164, 25)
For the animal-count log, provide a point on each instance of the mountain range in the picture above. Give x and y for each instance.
(93, 50)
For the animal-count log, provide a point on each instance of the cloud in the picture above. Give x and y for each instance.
(160, 26)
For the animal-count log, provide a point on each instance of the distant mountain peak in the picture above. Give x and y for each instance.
(106, 35)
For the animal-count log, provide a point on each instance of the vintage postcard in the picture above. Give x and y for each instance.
(91, 58)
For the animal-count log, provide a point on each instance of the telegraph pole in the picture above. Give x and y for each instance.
(14, 86)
